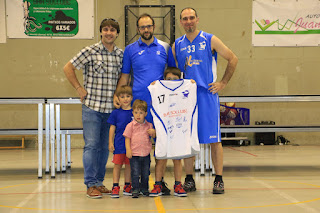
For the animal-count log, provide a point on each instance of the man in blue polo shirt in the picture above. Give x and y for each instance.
(147, 58)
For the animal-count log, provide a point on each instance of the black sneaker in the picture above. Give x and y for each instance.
(218, 188)
(144, 192)
(189, 185)
(165, 190)
(135, 194)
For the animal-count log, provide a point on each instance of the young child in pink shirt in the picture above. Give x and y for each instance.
(138, 146)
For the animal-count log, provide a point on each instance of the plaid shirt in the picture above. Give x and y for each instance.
(101, 71)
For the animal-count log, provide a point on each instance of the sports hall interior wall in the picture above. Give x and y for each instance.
(34, 68)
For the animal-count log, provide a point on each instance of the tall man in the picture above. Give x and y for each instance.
(196, 54)
(147, 58)
(102, 64)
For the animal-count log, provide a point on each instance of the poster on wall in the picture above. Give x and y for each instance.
(50, 19)
(2, 22)
(286, 23)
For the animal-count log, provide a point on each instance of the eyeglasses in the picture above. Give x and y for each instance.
(144, 27)
(109, 19)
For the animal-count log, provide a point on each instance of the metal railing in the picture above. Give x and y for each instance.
(57, 136)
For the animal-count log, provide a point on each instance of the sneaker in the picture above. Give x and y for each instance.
(104, 190)
(218, 188)
(165, 190)
(179, 191)
(156, 191)
(127, 190)
(144, 192)
(189, 186)
(93, 193)
(115, 192)
(135, 193)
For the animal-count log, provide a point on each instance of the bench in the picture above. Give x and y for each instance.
(17, 133)
(14, 136)
(241, 140)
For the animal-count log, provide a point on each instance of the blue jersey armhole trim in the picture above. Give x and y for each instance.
(156, 114)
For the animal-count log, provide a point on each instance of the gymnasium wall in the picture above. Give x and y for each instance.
(34, 68)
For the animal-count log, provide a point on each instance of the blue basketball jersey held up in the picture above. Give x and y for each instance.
(196, 59)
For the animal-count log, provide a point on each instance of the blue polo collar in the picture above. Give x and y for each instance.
(155, 42)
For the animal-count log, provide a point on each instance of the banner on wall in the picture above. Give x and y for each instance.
(2, 22)
(286, 23)
(50, 19)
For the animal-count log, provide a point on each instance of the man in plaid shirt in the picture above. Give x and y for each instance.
(101, 64)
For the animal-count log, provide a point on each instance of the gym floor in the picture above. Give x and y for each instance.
(257, 179)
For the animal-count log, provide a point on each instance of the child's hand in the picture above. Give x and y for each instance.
(153, 83)
(193, 81)
(152, 132)
(111, 147)
(129, 154)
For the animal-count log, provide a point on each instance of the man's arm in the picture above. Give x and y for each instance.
(175, 58)
(171, 59)
(174, 52)
(69, 71)
(218, 46)
(125, 75)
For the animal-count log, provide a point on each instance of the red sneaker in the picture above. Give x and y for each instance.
(115, 192)
(127, 190)
(156, 191)
(179, 191)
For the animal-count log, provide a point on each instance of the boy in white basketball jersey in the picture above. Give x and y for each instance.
(170, 74)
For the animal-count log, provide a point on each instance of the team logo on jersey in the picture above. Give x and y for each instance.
(190, 62)
(140, 53)
(158, 52)
(185, 94)
(182, 49)
(212, 136)
(202, 45)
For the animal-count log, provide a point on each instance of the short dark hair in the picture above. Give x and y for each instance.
(173, 70)
(140, 104)
(110, 22)
(189, 8)
(143, 16)
(124, 89)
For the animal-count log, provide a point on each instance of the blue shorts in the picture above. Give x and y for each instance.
(208, 116)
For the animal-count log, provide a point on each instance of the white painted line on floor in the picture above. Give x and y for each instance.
(30, 196)
(286, 196)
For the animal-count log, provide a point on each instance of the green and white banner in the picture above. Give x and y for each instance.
(286, 22)
(50, 18)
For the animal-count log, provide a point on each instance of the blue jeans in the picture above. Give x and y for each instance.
(140, 167)
(96, 148)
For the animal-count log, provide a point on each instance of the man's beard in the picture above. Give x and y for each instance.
(147, 38)
(190, 30)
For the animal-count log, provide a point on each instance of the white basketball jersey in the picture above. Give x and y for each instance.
(175, 116)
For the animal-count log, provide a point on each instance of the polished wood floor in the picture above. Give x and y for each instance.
(257, 179)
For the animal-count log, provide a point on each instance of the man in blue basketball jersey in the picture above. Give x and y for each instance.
(196, 53)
